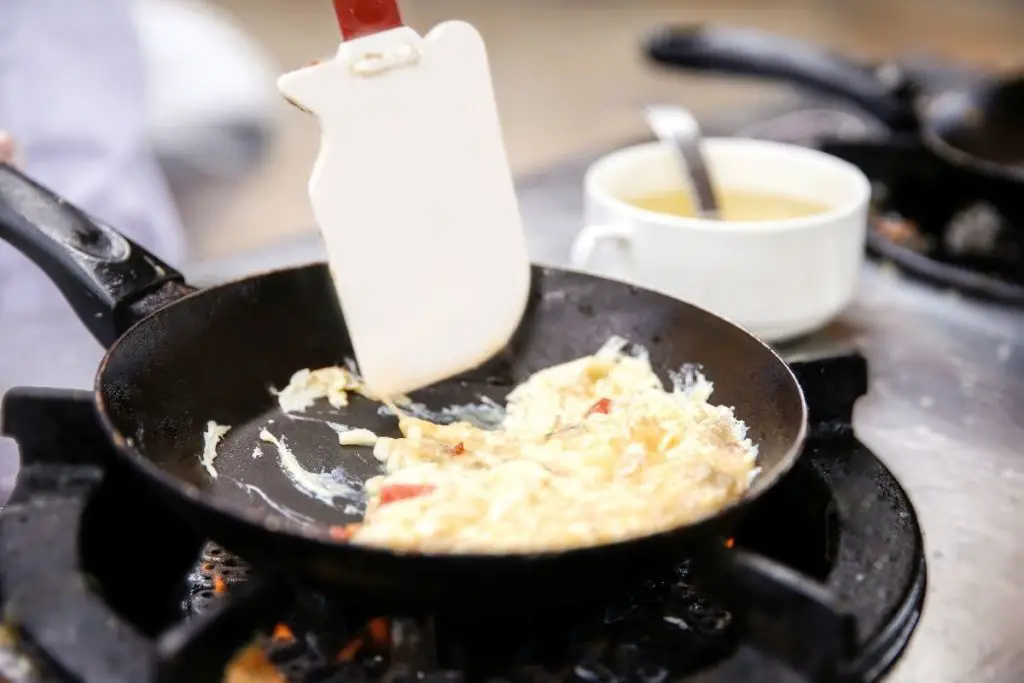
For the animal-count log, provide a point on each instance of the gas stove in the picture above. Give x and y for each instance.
(943, 412)
(92, 594)
(929, 219)
(941, 423)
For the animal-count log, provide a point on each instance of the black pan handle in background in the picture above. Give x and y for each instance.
(101, 273)
(882, 92)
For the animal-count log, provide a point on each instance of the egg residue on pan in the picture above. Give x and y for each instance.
(307, 386)
(588, 452)
(320, 485)
(211, 437)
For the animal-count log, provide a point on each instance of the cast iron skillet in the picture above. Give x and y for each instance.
(178, 357)
(978, 129)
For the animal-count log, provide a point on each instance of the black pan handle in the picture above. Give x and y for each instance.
(783, 614)
(881, 91)
(100, 272)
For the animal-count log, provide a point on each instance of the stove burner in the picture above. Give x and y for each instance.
(838, 531)
(976, 251)
(664, 630)
(930, 221)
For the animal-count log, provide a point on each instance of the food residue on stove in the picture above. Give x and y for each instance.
(213, 435)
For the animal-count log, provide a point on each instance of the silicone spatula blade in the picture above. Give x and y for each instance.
(413, 195)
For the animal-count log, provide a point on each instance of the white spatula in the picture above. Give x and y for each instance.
(414, 197)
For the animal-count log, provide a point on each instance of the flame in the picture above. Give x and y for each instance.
(252, 665)
(376, 633)
(282, 633)
(351, 649)
(380, 632)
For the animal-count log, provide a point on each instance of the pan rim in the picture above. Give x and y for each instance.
(958, 157)
(319, 536)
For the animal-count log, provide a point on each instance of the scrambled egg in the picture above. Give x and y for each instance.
(306, 386)
(590, 452)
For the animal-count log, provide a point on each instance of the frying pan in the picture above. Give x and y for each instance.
(977, 129)
(178, 357)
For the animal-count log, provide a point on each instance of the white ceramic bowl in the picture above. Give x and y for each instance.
(779, 279)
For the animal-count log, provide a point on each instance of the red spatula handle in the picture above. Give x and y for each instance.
(359, 18)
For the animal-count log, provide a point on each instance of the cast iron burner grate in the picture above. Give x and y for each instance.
(935, 224)
(930, 220)
(94, 594)
(655, 633)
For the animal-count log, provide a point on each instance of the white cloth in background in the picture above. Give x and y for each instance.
(213, 106)
(91, 108)
(73, 95)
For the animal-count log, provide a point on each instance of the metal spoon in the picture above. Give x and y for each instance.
(676, 126)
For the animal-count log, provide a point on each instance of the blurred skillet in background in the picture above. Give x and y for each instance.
(977, 130)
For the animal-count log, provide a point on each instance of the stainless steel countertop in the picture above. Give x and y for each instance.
(946, 395)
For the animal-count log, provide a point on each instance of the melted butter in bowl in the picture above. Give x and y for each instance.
(745, 206)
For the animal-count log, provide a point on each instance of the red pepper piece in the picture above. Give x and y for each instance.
(397, 492)
(603, 406)
(343, 533)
